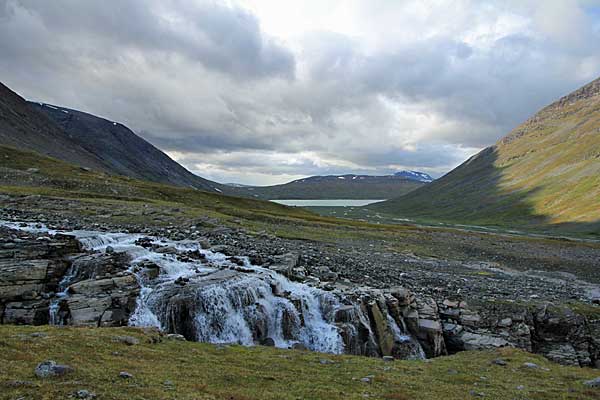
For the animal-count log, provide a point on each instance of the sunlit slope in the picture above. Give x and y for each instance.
(544, 173)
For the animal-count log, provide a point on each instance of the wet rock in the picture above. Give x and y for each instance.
(268, 342)
(125, 375)
(166, 250)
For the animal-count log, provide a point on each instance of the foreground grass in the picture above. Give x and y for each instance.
(181, 370)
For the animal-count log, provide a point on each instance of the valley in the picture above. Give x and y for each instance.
(149, 281)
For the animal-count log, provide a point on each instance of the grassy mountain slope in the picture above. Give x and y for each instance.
(336, 187)
(23, 172)
(546, 173)
(165, 369)
(121, 150)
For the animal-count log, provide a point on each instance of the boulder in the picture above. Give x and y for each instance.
(49, 369)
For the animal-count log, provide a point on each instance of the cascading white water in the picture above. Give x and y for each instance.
(211, 299)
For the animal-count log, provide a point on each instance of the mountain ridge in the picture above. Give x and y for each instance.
(544, 173)
(347, 186)
(118, 146)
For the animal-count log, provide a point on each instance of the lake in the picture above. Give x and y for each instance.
(326, 203)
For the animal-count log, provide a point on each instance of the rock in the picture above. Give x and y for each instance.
(268, 342)
(49, 369)
(299, 346)
(285, 264)
(385, 337)
(594, 383)
(367, 379)
(176, 337)
(450, 303)
(388, 358)
(84, 394)
(530, 365)
(166, 250)
(125, 375)
(128, 340)
(476, 341)
(326, 361)
(404, 296)
(109, 250)
(499, 361)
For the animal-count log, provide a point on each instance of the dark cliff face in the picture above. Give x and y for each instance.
(121, 150)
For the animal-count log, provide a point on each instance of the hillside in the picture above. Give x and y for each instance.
(545, 173)
(121, 150)
(25, 128)
(336, 187)
(88, 141)
(168, 369)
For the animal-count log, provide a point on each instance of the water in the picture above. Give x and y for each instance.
(210, 299)
(326, 203)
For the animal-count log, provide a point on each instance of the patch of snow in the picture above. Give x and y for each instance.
(341, 177)
(49, 106)
(218, 190)
(114, 123)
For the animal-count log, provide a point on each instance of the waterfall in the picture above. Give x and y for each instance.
(209, 297)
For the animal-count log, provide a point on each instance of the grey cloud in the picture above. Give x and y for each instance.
(220, 37)
(203, 79)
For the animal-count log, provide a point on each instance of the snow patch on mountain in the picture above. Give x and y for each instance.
(415, 176)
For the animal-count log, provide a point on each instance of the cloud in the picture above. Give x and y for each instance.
(258, 91)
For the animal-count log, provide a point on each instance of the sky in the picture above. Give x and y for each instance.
(267, 91)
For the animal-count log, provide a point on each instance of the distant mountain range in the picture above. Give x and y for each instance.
(340, 187)
(546, 172)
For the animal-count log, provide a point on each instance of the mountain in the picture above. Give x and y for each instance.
(336, 187)
(120, 150)
(89, 141)
(545, 173)
(415, 176)
(23, 127)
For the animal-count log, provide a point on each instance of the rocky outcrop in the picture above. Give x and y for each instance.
(34, 267)
(556, 332)
(232, 301)
(31, 267)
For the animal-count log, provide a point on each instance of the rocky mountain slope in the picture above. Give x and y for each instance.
(25, 128)
(544, 173)
(88, 141)
(336, 187)
(121, 150)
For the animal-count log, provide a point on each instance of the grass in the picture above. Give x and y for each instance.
(75, 193)
(204, 371)
(545, 176)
